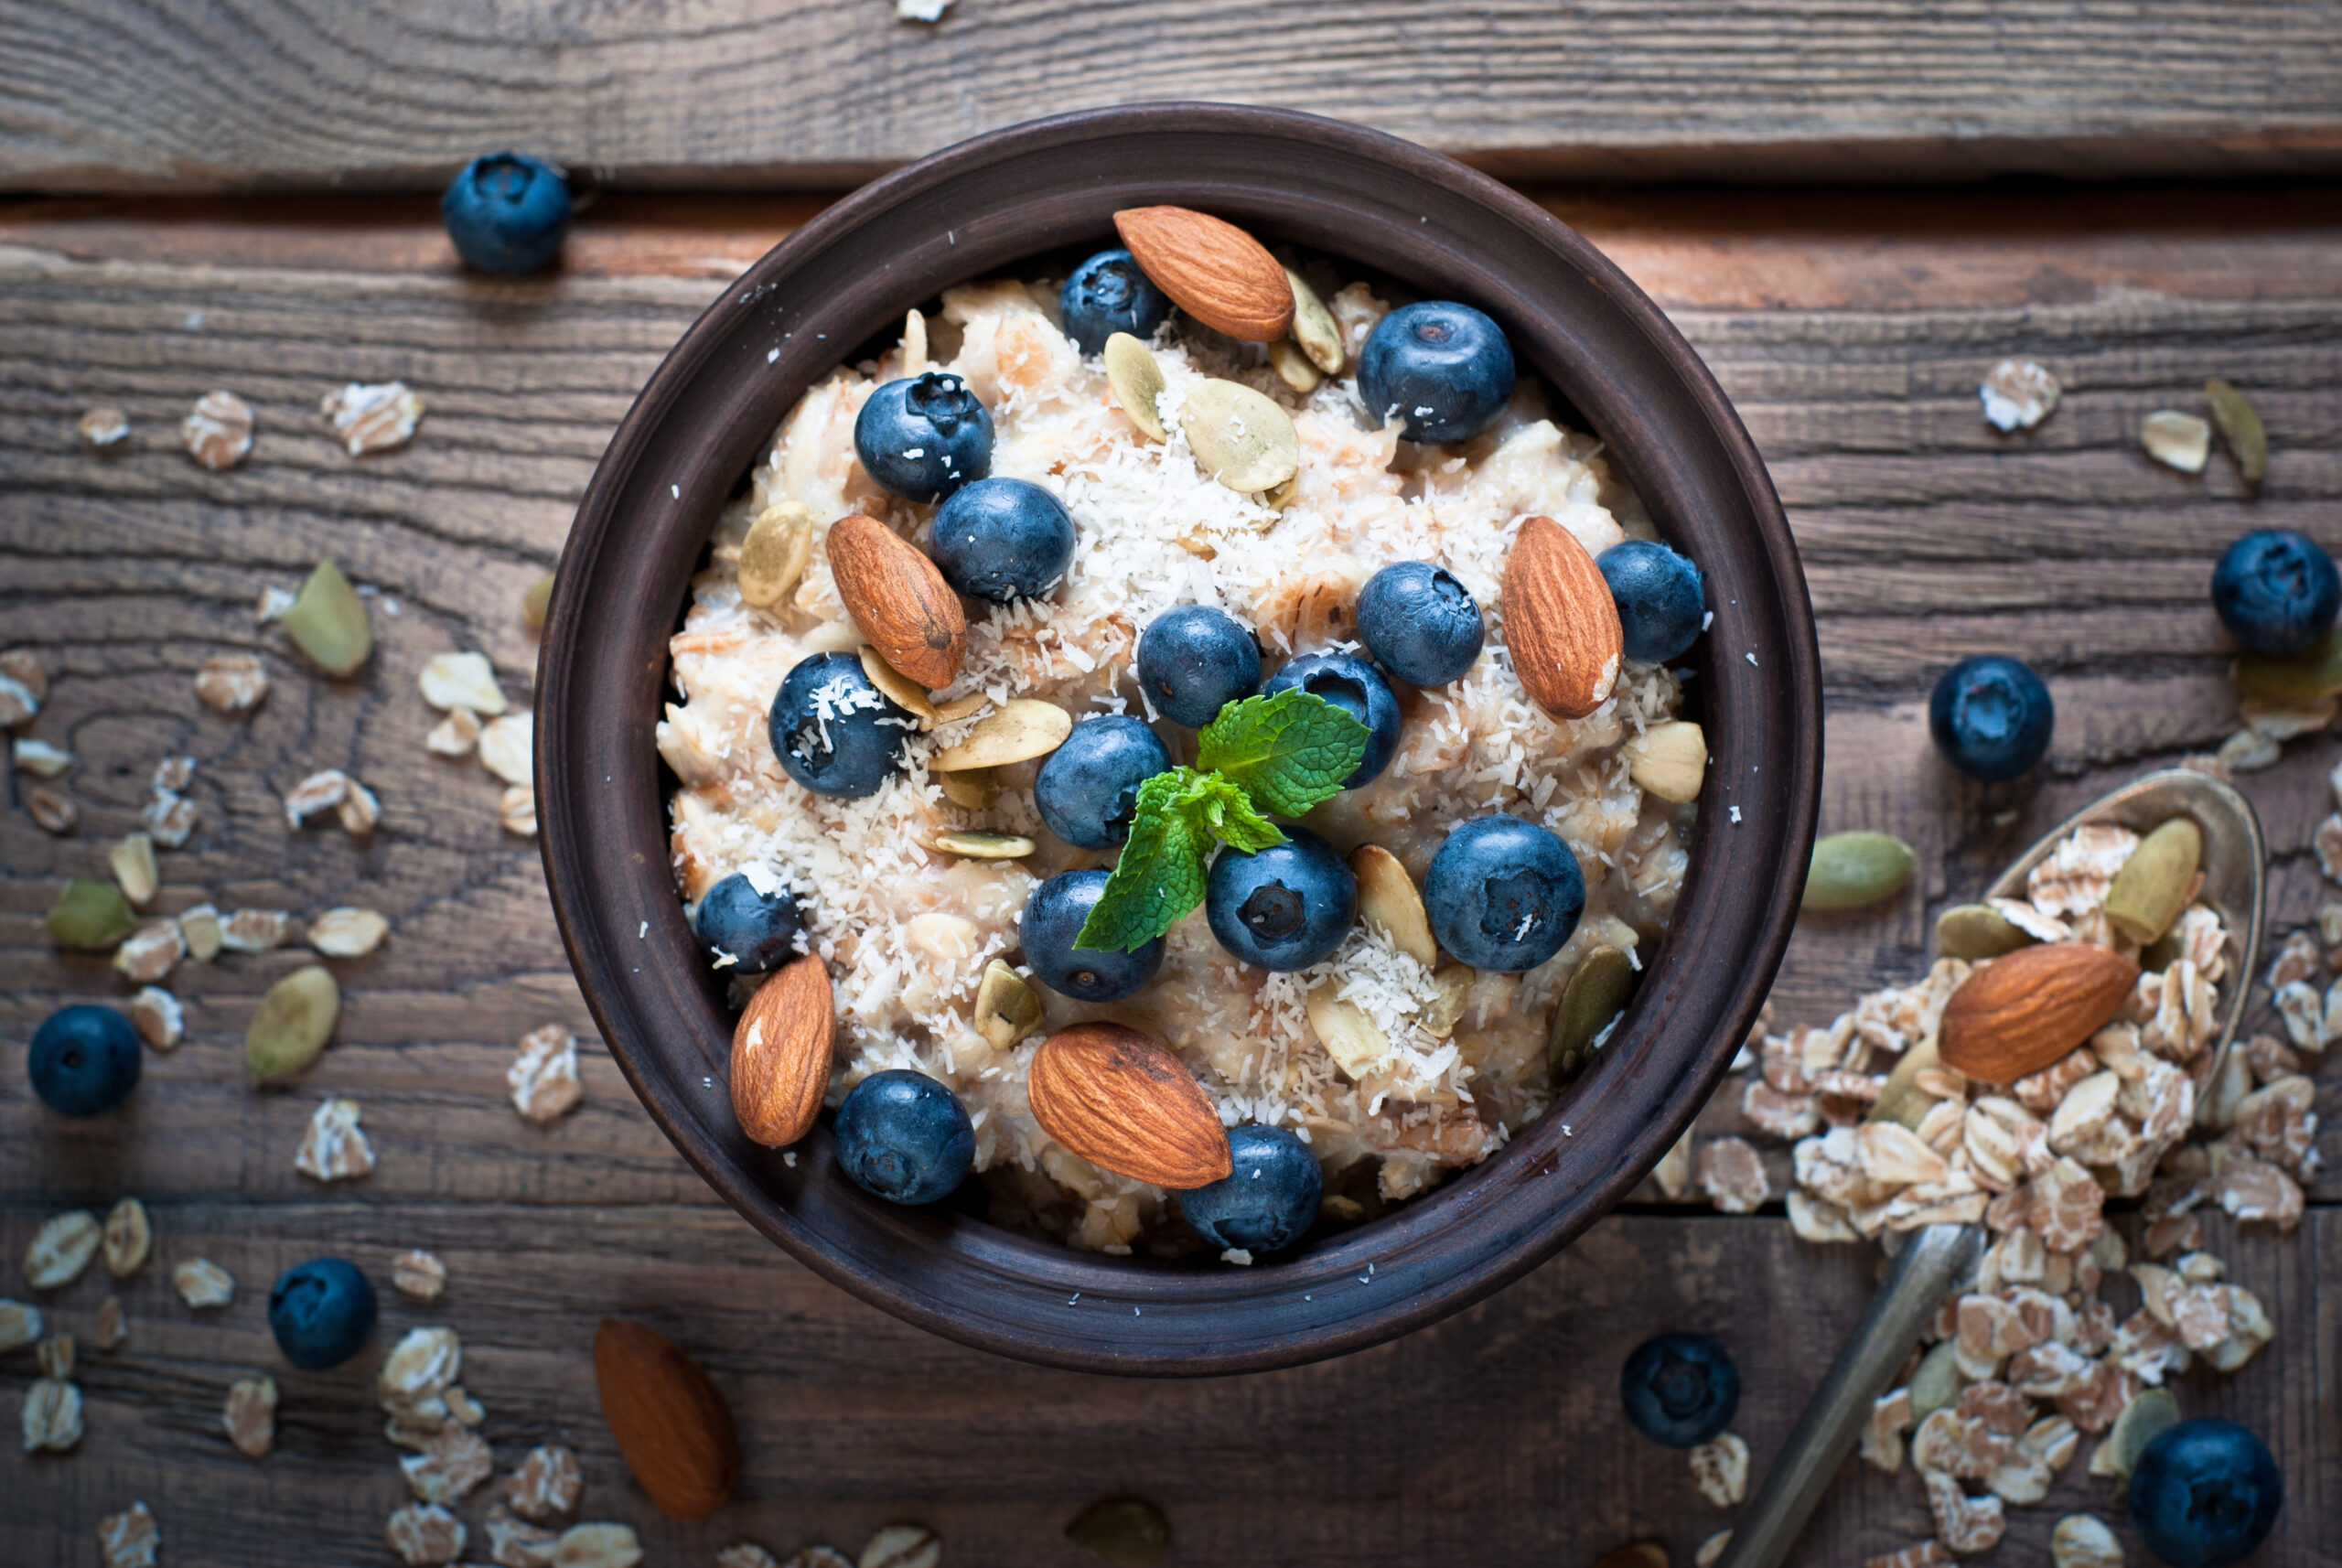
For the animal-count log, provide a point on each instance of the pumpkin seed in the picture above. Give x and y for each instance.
(1293, 366)
(293, 1023)
(327, 621)
(1242, 438)
(965, 707)
(1670, 760)
(1017, 731)
(898, 688)
(1935, 1383)
(2239, 426)
(975, 787)
(2150, 889)
(2177, 440)
(1125, 1531)
(1598, 992)
(1006, 1008)
(1276, 497)
(1977, 930)
(1851, 870)
(1388, 901)
(2142, 1421)
(89, 916)
(2308, 677)
(1901, 1100)
(1355, 1041)
(1313, 327)
(1452, 983)
(1137, 381)
(971, 843)
(773, 556)
(2248, 751)
(536, 601)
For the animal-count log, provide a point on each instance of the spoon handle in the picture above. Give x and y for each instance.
(1936, 1262)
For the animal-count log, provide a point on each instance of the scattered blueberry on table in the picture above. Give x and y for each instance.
(757, 930)
(1195, 659)
(1990, 717)
(2277, 591)
(1106, 295)
(1003, 540)
(321, 1311)
(507, 212)
(1503, 894)
(1053, 918)
(1267, 1201)
(1658, 594)
(1680, 1390)
(1444, 369)
(1352, 684)
(1087, 788)
(1286, 906)
(904, 1137)
(924, 436)
(1420, 623)
(2205, 1493)
(836, 732)
(84, 1059)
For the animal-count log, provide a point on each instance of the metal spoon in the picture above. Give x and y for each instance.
(1942, 1259)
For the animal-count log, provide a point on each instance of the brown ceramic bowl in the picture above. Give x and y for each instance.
(980, 208)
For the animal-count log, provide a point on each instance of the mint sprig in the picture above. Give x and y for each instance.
(1280, 754)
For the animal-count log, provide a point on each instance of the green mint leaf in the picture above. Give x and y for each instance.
(1159, 876)
(1288, 751)
(1216, 807)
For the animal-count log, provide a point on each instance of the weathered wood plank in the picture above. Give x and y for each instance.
(117, 94)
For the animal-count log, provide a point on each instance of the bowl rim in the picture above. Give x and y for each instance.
(1625, 373)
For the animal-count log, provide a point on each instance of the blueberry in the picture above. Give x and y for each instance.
(507, 212)
(2205, 1493)
(84, 1059)
(2277, 591)
(757, 929)
(1003, 540)
(1420, 622)
(924, 436)
(1657, 595)
(1990, 717)
(1087, 788)
(1106, 295)
(833, 731)
(1679, 1389)
(1442, 368)
(1267, 1201)
(1353, 685)
(1053, 918)
(1503, 894)
(1285, 907)
(1195, 661)
(904, 1137)
(320, 1312)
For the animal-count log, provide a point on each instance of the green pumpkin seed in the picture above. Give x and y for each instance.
(974, 788)
(2239, 426)
(536, 601)
(1137, 381)
(774, 554)
(1241, 437)
(1006, 1008)
(2162, 953)
(1977, 930)
(1293, 366)
(1597, 992)
(2139, 1424)
(2308, 677)
(971, 843)
(1901, 1100)
(2150, 889)
(1125, 1530)
(90, 917)
(292, 1024)
(1936, 1384)
(327, 622)
(1313, 327)
(1851, 870)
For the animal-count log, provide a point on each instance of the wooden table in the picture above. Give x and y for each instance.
(1850, 326)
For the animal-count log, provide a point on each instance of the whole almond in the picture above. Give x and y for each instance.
(1560, 621)
(1123, 1102)
(2019, 1013)
(781, 1053)
(899, 600)
(1212, 269)
(671, 1425)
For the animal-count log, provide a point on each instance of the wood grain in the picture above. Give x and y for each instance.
(303, 94)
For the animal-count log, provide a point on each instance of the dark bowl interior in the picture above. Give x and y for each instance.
(1391, 209)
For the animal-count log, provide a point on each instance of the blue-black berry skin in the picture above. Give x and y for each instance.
(1003, 540)
(1442, 368)
(1503, 894)
(924, 436)
(2205, 1494)
(835, 732)
(321, 1311)
(1352, 684)
(1267, 1201)
(1054, 913)
(1106, 295)
(1658, 593)
(757, 930)
(904, 1137)
(1286, 906)
(1680, 1390)
(1087, 790)
(84, 1060)
(1195, 659)
(1420, 623)
(2277, 591)
(1991, 718)
(507, 212)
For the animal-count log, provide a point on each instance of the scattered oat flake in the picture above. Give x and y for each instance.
(320, 791)
(40, 758)
(1925, 1555)
(160, 1021)
(250, 1417)
(372, 418)
(516, 1543)
(53, 1415)
(129, 1539)
(516, 811)
(543, 1075)
(360, 811)
(22, 668)
(61, 1249)
(255, 930)
(335, 1148)
(423, 1534)
(203, 1284)
(2082, 1541)
(1710, 1552)
(453, 680)
(745, 1555)
(348, 932)
(52, 812)
(546, 1486)
(113, 1327)
(902, 1546)
(921, 10)
(170, 818)
(2177, 440)
(231, 682)
(1965, 1524)
(273, 602)
(423, 1364)
(103, 425)
(505, 745)
(150, 953)
(2018, 394)
(129, 1238)
(55, 1356)
(1732, 1176)
(20, 1324)
(418, 1275)
(1720, 1469)
(217, 432)
(450, 1465)
(597, 1546)
(453, 735)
